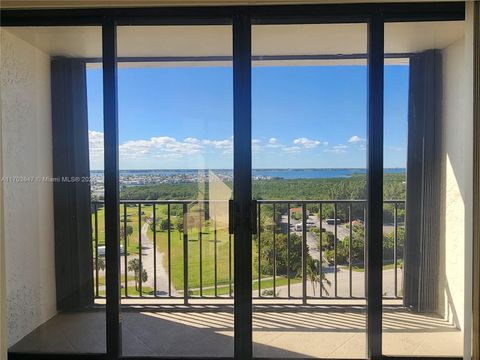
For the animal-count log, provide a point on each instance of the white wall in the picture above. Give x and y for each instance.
(453, 170)
(456, 212)
(3, 287)
(28, 206)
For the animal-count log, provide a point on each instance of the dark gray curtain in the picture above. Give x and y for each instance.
(421, 268)
(72, 209)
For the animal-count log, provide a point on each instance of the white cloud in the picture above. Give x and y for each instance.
(256, 145)
(169, 148)
(292, 149)
(306, 143)
(337, 149)
(225, 144)
(158, 146)
(355, 139)
(95, 144)
(192, 140)
(274, 144)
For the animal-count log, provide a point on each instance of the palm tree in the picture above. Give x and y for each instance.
(99, 263)
(313, 275)
(134, 266)
(179, 227)
(129, 233)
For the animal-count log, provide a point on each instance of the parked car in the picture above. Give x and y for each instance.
(332, 221)
(101, 251)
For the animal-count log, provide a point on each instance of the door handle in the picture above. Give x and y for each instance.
(254, 216)
(231, 216)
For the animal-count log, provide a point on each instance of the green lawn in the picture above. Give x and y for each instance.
(101, 279)
(176, 249)
(131, 291)
(208, 253)
(176, 244)
(265, 284)
(132, 220)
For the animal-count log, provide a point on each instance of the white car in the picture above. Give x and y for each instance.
(101, 251)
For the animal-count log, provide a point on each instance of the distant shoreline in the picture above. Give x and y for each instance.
(177, 176)
(257, 169)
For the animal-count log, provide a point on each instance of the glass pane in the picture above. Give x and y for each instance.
(176, 160)
(427, 171)
(52, 116)
(309, 166)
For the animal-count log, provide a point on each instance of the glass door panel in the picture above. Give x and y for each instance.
(309, 109)
(176, 169)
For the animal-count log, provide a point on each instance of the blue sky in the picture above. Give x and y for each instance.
(302, 117)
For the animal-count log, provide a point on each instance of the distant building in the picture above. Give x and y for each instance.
(297, 212)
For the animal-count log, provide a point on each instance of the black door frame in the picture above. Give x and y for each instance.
(241, 17)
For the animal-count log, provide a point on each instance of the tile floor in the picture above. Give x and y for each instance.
(278, 331)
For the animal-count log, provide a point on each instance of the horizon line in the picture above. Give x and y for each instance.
(288, 168)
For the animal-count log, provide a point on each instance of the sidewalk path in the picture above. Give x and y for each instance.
(148, 265)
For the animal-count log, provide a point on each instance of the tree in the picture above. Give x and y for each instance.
(179, 227)
(134, 266)
(129, 232)
(389, 244)
(99, 263)
(160, 224)
(283, 266)
(313, 274)
(164, 224)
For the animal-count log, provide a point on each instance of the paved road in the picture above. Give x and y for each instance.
(148, 265)
(343, 284)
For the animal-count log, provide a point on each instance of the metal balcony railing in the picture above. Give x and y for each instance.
(296, 255)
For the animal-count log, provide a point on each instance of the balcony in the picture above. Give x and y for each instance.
(193, 299)
(206, 246)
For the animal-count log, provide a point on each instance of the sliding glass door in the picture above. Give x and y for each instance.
(176, 178)
(309, 119)
(265, 182)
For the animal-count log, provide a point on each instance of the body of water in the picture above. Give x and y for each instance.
(259, 173)
(315, 173)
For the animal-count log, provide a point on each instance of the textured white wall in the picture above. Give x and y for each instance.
(457, 155)
(28, 207)
(3, 287)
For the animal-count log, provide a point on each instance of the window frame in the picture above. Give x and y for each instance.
(241, 18)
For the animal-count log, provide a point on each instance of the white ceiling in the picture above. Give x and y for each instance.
(178, 41)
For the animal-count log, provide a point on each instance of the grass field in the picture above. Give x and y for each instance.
(265, 284)
(210, 240)
(176, 246)
(131, 291)
(132, 220)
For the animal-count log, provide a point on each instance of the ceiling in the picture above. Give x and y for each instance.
(267, 40)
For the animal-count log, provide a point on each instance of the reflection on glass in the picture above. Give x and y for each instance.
(309, 166)
(424, 228)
